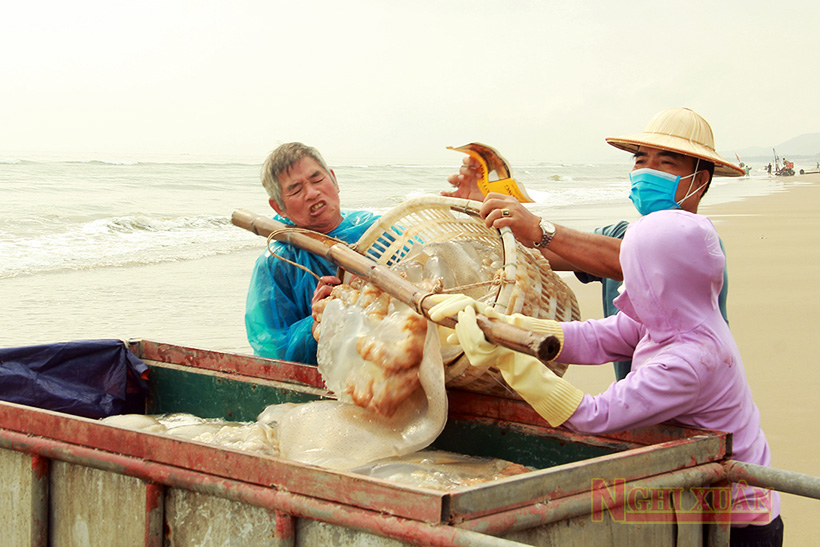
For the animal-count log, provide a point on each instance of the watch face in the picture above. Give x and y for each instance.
(547, 227)
(547, 232)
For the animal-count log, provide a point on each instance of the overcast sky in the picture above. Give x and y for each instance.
(367, 80)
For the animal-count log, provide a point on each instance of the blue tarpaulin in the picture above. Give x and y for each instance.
(90, 378)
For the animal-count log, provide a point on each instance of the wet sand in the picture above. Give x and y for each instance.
(773, 254)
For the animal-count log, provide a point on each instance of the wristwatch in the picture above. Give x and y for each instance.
(547, 233)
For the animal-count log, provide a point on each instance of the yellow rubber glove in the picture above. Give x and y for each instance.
(532, 324)
(552, 397)
(449, 304)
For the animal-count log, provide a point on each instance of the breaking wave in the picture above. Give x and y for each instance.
(121, 241)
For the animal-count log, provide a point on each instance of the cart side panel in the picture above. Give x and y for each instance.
(313, 532)
(660, 529)
(199, 519)
(93, 507)
(530, 446)
(230, 363)
(15, 498)
(581, 531)
(233, 397)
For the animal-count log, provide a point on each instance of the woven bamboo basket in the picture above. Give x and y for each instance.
(524, 283)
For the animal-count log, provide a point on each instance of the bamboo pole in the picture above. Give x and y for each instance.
(543, 347)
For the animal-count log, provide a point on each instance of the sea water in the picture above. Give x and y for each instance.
(144, 247)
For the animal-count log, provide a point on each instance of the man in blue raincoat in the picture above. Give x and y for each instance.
(304, 193)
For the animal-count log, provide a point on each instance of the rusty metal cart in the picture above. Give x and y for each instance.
(68, 480)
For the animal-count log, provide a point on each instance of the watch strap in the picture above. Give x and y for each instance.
(546, 237)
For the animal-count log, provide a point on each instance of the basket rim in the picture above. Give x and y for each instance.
(471, 208)
(467, 206)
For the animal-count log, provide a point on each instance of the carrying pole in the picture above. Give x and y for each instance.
(543, 347)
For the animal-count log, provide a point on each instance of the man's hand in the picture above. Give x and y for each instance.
(323, 288)
(317, 303)
(466, 181)
(499, 211)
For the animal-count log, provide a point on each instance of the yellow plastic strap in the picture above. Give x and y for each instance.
(504, 186)
(490, 161)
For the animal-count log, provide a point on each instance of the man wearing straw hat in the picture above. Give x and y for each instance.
(304, 193)
(675, 160)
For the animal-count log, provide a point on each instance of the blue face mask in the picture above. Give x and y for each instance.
(654, 190)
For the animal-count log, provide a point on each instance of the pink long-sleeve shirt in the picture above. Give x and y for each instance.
(686, 366)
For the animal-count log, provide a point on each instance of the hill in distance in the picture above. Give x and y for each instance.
(804, 146)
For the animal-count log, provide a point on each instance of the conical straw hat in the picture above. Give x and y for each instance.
(680, 130)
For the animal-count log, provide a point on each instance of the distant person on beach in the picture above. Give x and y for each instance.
(305, 194)
(675, 160)
(687, 365)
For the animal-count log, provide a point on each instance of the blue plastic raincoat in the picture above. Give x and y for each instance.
(278, 311)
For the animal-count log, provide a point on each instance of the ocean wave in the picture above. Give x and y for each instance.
(189, 162)
(123, 241)
(576, 196)
(102, 162)
(142, 223)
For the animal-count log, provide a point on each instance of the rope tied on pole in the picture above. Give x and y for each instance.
(273, 236)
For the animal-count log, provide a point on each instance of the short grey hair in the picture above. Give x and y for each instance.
(281, 160)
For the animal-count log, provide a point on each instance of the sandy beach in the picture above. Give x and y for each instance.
(773, 254)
